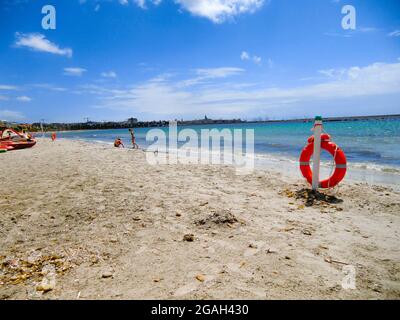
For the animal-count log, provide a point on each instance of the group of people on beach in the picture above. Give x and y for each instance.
(118, 142)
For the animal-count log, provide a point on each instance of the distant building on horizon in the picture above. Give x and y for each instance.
(132, 121)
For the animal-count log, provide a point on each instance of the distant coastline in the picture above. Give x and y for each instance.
(332, 119)
(134, 123)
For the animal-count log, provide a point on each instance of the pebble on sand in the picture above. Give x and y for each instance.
(107, 274)
(200, 277)
(188, 237)
(45, 287)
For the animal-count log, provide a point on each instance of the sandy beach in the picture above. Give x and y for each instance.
(87, 221)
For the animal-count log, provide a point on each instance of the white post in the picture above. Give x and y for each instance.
(317, 153)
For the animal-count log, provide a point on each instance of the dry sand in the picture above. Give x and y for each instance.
(87, 221)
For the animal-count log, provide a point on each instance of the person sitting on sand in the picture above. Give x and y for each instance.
(27, 135)
(134, 144)
(118, 143)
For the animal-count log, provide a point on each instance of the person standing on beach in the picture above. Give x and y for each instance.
(134, 144)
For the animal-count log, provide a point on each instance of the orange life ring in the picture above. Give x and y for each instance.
(339, 157)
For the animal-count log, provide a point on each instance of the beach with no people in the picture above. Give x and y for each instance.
(88, 221)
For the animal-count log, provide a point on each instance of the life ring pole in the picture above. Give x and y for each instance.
(317, 153)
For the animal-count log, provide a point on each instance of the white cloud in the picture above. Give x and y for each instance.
(367, 29)
(220, 10)
(48, 86)
(203, 75)
(333, 73)
(142, 3)
(217, 11)
(168, 97)
(336, 34)
(9, 115)
(7, 87)
(109, 74)
(4, 98)
(38, 42)
(218, 72)
(77, 72)
(395, 33)
(244, 55)
(257, 60)
(24, 99)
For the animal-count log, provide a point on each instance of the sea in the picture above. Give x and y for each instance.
(372, 147)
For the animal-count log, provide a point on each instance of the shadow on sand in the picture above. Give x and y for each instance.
(315, 197)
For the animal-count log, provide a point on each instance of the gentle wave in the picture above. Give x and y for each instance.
(369, 145)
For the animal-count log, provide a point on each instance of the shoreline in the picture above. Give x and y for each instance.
(93, 218)
(374, 174)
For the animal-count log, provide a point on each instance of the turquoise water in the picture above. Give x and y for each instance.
(372, 147)
(369, 142)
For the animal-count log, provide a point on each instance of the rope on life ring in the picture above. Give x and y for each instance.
(338, 156)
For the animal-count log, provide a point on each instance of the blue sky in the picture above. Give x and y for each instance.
(167, 59)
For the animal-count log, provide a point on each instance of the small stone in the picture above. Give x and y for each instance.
(178, 214)
(107, 274)
(307, 232)
(377, 288)
(188, 237)
(12, 263)
(287, 258)
(253, 246)
(200, 277)
(328, 259)
(45, 287)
